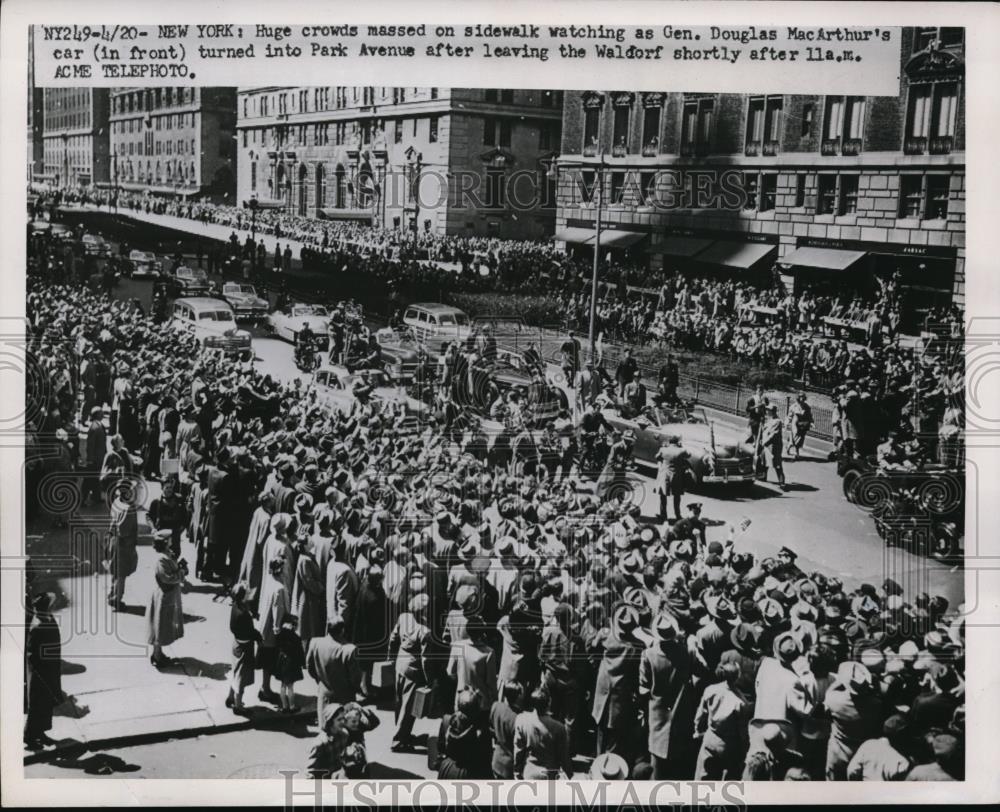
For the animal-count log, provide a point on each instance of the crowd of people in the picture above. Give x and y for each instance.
(541, 622)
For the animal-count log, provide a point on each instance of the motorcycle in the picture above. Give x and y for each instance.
(306, 356)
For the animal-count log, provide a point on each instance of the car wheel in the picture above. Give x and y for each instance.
(850, 483)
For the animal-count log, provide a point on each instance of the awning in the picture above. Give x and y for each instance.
(680, 246)
(268, 203)
(620, 239)
(572, 234)
(346, 214)
(732, 254)
(831, 259)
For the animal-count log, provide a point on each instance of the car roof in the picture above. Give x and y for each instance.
(203, 302)
(435, 307)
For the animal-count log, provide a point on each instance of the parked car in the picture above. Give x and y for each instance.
(95, 246)
(245, 301)
(432, 320)
(190, 282)
(711, 461)
(212, 322)
(287, 322)
(143, 263)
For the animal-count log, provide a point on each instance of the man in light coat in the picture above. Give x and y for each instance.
(333, 663)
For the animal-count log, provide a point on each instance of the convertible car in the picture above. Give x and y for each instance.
(712, 461)
(289, 320)
(334, 387)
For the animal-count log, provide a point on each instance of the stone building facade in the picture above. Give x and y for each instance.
(75, 143)
(825, 188)
(174, 141)
(447, 161)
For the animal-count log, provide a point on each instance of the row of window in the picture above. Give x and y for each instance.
(932, 113)
(317, 99)
(173, 171)
(921, 196)
(152, 99)
(174, 121)
(339, 133)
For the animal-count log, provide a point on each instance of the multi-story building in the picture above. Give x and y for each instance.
(834, 189)
(75, 143)
(36, 101)
(175, 141)
(448, 161)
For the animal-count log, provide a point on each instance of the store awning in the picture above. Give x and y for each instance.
(733, 254)
(620, 239)
(346, 214)
(680, 246)
(572, 234)
(830, 259)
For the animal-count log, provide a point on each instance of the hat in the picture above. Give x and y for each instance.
(419, 603)
(787, 647)
(720, 608)
(788, 553)
(744, 638)
(631, 563)
(854, 675)
(771, 611)
(625, 618)
(608, 767)
(804, 611)
(742, 563)
(895, 725)
(873, 659)
(666, 628)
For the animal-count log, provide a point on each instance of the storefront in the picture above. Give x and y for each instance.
(619, 243)
(716, 253)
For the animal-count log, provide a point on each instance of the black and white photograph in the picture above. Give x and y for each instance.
(444, 433)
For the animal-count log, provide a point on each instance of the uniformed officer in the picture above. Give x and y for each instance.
(672, 465)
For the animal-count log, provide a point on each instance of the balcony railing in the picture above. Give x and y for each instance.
(852, 146)
(830, 146)
(941, 145)
(915, 146)
(590, 150)
(770, 149)
(650, 150)
(753, 148)
(619, 151)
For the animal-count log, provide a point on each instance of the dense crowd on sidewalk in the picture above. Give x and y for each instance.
(538, 620)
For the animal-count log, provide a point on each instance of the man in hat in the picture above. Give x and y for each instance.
(673, 464)
(615, 708)
(691, 526)
(408, 646)
(333, 663)
(541, 743)
(665, 681)
(43, 669)
(97, 448)
(341, 589)
(856, 710)
(714, 637)
(799, 420)
(948, 764)
(783, 697)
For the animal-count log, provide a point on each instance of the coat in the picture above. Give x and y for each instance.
(97, 445)
(123, 559)
(341, 592)
(617, 684)
(165, 618)
(218, 505)
(275, 606)
(541, 747)
(665, 677)
(334, 666)
(252, 565)
(371, 621)
(308, 598)
(43, 673)
(408, 643)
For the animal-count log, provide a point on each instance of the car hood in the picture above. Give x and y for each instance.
(405, 353)
(246, 299)
(316, 323)
(694, 437)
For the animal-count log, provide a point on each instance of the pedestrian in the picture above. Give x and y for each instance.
(245, 636)
(123, 535)
(882, 759)
(308, 591)
(165, 613)
(721, 723)
(97, 447)
(770, 443)
(168, 513)
(333, 663)
(503, 718)
(541, 743)
(472, 664)
(275, 607)
(43, 672)
(408, 644)
(673, 466)
(288, 662)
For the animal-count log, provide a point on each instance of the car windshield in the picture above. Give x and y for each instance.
(376, 379)
(308, 310)
(216, 315)
(447, 318)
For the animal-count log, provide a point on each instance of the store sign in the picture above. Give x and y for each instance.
(943, 251)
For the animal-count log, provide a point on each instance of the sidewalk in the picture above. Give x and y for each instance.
(115, 696)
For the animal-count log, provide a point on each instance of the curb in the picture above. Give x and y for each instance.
(160, 736)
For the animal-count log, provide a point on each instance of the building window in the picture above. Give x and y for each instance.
(619, 143)
(696, 133)
(253, 176)
(491, 96)
(844, 125)
(848, 194)
(547, 136)
(826, 196)
(506, 97)
(432, 135)
(763, 125)
(651, 130)
(434, 93)
(910, 195)
(496, 132)
(494, 187)
(949, 37)
(937, 197)
(617, 188)
(244, 139)
(768, 191)
(552, 98)
(591, 130)
(750, 180)
(398, 135)
(931, 117)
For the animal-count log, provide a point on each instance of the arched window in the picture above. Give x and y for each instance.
(320, 186)
(341, 186)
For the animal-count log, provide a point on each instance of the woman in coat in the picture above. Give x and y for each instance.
(123, 534)
(308, 594)
(168, 513)
(463, 741)
(165, 617)
(275, 606)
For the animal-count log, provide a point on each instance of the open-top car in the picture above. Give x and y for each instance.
(142, 263)
(712, 461)
(288, 321)
(246, 303)
(337, 388)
